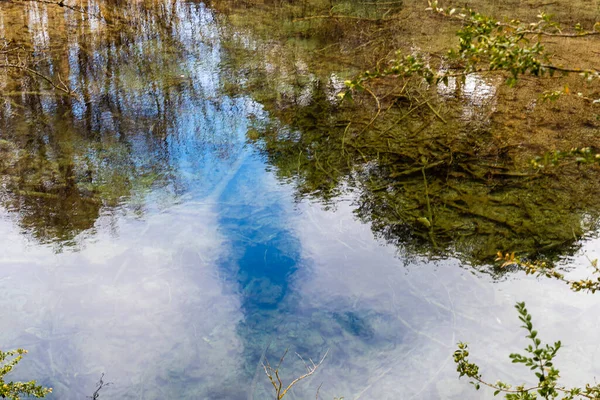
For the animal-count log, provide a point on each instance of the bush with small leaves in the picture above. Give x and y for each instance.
(14, 390)
(487, 45)
(539, 358)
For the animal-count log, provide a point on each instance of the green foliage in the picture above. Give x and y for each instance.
(487, 45)
(404, 66)
(483, 40)
(539, 358)
(14, 390)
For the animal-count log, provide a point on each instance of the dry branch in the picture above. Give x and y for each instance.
(275, 379)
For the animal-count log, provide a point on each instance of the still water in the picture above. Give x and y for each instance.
(145, 238)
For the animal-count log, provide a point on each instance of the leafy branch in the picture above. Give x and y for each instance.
(585, 155)
(538, 357)
(14, 390)
(545, 25)
(485, 45)
(507, 46)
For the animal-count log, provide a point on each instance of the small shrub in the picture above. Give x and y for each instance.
(14, 390)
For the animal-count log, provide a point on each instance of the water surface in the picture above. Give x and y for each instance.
(146, 238)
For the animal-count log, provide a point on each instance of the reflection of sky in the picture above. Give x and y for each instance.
(475, 93)
(182, 301)
(433, 305)
(160, 303)
(140, 305)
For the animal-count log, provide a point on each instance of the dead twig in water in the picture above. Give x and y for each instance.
(275, 379)
(437, 114)
(99, 386)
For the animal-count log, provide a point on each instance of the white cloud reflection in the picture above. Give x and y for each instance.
(140, 307)
(434, 304)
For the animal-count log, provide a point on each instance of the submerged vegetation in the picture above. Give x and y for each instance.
(435, 167)
(433, 173)
(453, 167)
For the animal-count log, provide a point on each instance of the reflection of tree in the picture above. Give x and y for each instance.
(420, 180)
(63, 157)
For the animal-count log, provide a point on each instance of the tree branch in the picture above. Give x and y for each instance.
(63, 87)
(275, 379)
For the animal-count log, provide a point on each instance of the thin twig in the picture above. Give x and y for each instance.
(33, 72)
(275, 379)
(60, 3)
(99, 386)
(335, 16)
(312, 371)
(436, 113)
